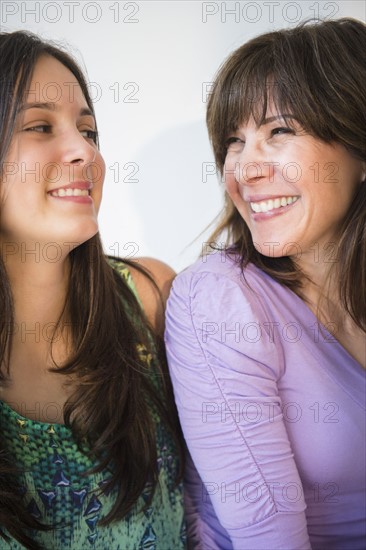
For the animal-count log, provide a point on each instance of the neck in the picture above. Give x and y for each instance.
(39, 291)
(321, 290)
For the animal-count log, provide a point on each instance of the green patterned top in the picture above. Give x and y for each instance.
(56, 492)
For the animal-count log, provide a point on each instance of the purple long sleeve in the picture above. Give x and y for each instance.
(273, 412)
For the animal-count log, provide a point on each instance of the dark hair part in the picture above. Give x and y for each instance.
(116, 418)
(317, 73)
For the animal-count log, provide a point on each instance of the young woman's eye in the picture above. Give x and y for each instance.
(39, 128)
(90, 134)
(281, 130)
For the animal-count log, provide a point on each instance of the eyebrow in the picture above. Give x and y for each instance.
(52, 107)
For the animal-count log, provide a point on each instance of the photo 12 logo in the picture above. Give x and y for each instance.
(268, 12)
(68, 12)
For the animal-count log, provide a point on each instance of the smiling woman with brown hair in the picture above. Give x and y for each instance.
(266, 340)
(89, 441)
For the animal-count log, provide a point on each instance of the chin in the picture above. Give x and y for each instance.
(77, 236)
(276, 249)
(87, 229)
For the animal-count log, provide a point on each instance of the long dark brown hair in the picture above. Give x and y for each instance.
(115, 393)
(317, 72)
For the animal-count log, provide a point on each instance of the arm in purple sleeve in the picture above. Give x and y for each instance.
(226, 392)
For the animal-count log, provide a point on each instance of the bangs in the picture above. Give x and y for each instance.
(295, 72)
(248, 86)
(250, 95)
(253, 96)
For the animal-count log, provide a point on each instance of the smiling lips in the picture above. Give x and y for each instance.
(272, 204)
(77, 192)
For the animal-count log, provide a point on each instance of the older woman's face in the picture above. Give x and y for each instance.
(292, 190)
(52, 183)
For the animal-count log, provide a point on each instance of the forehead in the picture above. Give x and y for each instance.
(53, 82)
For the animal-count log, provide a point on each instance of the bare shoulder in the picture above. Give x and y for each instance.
(153, 299)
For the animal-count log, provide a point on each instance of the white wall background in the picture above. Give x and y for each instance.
(151, 63)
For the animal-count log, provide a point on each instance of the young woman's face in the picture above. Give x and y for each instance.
(292, 190)
(51, 186)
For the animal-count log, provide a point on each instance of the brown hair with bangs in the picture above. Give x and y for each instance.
(316, 72)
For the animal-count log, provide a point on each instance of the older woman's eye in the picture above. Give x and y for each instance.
(234, 143)
(281, 130)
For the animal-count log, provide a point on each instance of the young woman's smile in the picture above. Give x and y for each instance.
(79, 191)
(52, 188)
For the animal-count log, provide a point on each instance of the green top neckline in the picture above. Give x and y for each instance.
(30, 422)
(125, 273)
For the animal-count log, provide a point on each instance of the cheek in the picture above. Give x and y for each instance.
(101, 169)
(95, 171)
(233, 190)
(8, 186)
(230, 182)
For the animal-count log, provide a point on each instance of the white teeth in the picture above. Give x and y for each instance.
(272, 204)
(70, 193)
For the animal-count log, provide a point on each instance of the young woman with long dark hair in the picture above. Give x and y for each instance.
(89, 442)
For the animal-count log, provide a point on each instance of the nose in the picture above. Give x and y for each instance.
(76, 149)
(252, 165)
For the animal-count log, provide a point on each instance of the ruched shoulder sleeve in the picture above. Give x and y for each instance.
(224, 368)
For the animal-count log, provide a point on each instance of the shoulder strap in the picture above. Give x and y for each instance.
(124, 272)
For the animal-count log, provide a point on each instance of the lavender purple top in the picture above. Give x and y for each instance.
(273, 412)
